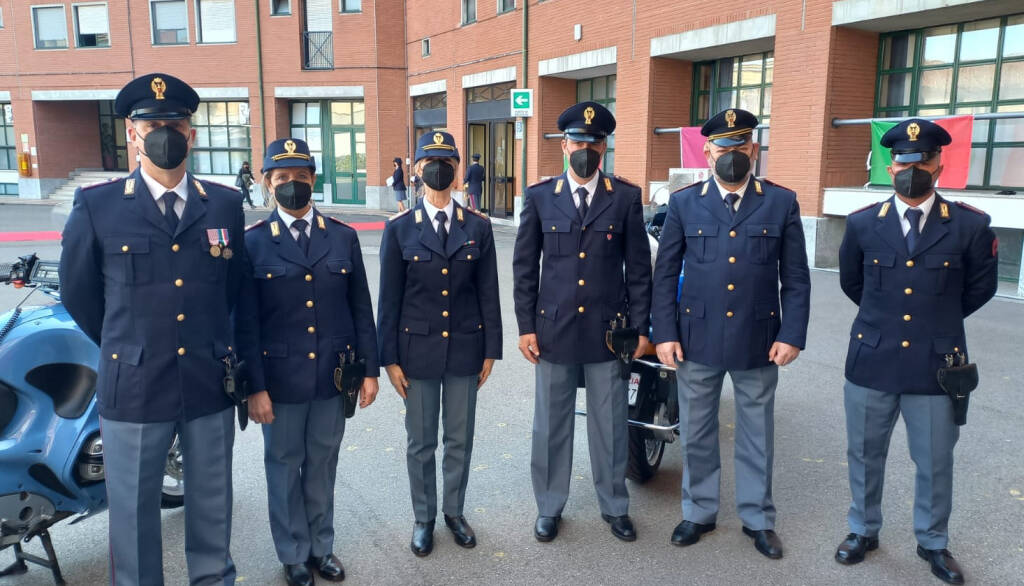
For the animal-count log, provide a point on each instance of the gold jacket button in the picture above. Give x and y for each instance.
(311, 330)
(178, 282)
(732, 260)
(175, 248)
(580, 309)
(181, 351)
(583, 255)
(699, 232)
(910, 263)
(469, 257)
(860, 336)
(728, 314)
(956, 348)
(444, 271)
(581, 282)
(270, 276)
(905, 344)
(113, 356)
(309, 303)
(181, 317)
(445, 313)
(415, 258)
(311, 355)
(875, 261)
(730, 286)
(945, 264)
(124, 248)
(444, 293)
(343, 271)
(765, 231)
(732, 233)
(309, 278)
(908, 291)
(687, 310)
(906, 317)
(552, 228)
(444, 334)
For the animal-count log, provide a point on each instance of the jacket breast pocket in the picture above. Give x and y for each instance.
(609, 236)
(878, 268)
(415, 255)
(339, 267)
(702, 240)
(467, 254)
(763, 243)
(558, 238)
(268, 272)
(213, 262)
(127, 259)
(941, 268)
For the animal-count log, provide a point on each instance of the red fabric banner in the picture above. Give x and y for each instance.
(691, 148)
(956, 157)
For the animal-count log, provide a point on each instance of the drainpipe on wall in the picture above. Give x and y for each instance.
(259, 70)
(526, 84)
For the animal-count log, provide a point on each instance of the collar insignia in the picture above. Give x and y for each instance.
(458, 214)
(419, 216)
(275, 229)
(757, 187)
(320, 223)
(199, 188)
(704, 190)
(884, 210)
(608, 185)
(944, 210)
(129, 188)
(558, 186)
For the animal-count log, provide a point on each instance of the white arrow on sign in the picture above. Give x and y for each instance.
(522, 100)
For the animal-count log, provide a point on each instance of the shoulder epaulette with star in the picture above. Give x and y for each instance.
(541, 182)
(970, 207)
(256, 224)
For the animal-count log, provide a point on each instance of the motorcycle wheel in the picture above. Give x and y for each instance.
(172, 495)
(644, 455)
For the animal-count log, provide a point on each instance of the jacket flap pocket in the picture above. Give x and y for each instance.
(765, 310)
(880, 259)
(690, 307)
(268, 271)
(767, 230)
(469, 253)
(556, 225)
(948, 345)
(943, 261)
(275, 350)
(126, 353)
(415, 254)
(340, 266)
(414, 326)
(865, 334)
(547, 310)
(126, 245)
(599, 226)
(695, 230)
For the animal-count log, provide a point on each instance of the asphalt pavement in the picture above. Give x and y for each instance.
(373, 517)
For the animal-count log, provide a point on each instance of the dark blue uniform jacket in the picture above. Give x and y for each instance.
(475, 179)
(439, 311)
(157, 303)
(302, 311)
(572, 278)
(912, 306)
(732, 307)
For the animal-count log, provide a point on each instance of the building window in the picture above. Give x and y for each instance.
(967, 68)
(280, 7)
(506, 6)
(468, 11)
(170, 22)
(8, 154)
(222, 137)
(51, 29)
(430, 101)
(602, 91)
(425, 47)
(92, 28)
(215, 21)
(351, 5)
(736, 82)
(490, 93)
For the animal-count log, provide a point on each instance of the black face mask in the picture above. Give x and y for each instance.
(293, 195)
(913, 182)
(732, 167)
(438, 175)
(166, 147)
(584, 162)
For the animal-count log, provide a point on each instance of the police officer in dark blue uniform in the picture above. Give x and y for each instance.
(439, 329)
(741, 237)
(150, 269)
(310, 303)
(581, 261)
(916, 264)
(473, 182)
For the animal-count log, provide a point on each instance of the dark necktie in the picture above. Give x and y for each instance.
(172, 218)
(730, 202)
(442, 230)
(583, 207)
(913, 215)
(302, 239)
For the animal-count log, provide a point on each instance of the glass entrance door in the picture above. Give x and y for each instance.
(503, 184)
(112, 138)
(348, 133)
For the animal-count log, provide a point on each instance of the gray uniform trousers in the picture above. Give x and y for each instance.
(700, 390)
(300, 454)
(931, 436)
(607, 435)
(134, 458)
(423, 405)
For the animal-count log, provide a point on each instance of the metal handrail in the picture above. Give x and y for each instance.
(837, 122)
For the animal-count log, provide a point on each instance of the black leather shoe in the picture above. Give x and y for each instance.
(688, 532)
(766, 542)
(852, 549)
(422, 539)
(298, 575)
(546, 528)
(944, 567)
(622, 526)
(328, 566)
(463, 533)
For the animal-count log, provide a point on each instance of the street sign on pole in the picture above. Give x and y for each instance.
(522, 103)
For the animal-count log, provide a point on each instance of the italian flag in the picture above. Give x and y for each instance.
(956, 157)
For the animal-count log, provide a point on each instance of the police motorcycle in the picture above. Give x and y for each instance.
(51, 453)
(652, 399)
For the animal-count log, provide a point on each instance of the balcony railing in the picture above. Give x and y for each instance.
(317, 50)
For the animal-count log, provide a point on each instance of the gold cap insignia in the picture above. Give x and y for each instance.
(588, 115)
(438, 138)
(913, 130)
(438, 144)
(730, 118)
(159, 86)
(289, 146)
(289, 152)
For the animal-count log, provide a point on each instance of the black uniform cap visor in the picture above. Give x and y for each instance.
(732, 141)
(915, 157)
(585, 137)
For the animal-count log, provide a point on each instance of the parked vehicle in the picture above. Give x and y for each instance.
(51, 452)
